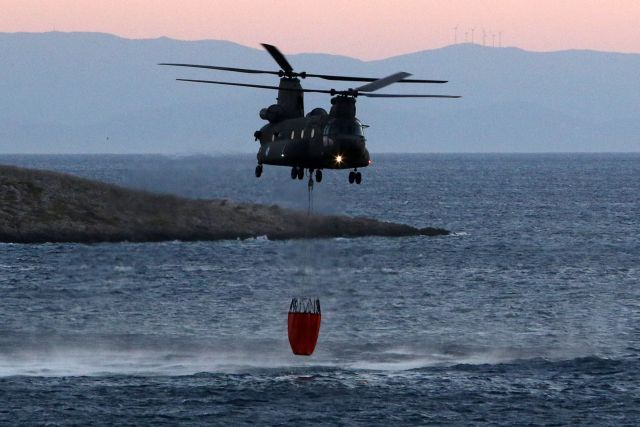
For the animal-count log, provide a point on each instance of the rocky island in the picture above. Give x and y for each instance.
(42, 206)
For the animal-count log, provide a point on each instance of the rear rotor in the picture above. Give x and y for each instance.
(286, 71)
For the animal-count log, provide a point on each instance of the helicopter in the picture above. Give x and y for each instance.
(317, 140)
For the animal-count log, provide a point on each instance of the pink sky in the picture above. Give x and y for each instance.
(366, 29)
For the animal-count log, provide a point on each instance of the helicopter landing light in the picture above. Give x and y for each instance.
(338, 159)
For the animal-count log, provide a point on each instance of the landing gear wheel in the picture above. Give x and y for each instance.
(352, 177)
(294, 172)
(358, 177)
(318, 175)
(258, 171)
(300, 173)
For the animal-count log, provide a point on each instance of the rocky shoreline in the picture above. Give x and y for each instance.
(41, 206)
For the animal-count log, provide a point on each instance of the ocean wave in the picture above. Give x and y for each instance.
(88, 355)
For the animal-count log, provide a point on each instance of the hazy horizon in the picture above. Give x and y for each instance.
(259, 48)
(408, 26)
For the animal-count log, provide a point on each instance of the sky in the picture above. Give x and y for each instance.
(365, 29)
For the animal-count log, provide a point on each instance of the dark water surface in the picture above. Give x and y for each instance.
(528, 314)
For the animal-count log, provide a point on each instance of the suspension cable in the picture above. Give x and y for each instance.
(310, 187)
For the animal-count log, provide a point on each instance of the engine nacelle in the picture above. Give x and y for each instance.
(317, 112)
(273, 113)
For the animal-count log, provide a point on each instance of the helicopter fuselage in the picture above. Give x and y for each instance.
(317, 141)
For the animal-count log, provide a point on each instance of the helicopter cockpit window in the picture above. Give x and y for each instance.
(344, 127)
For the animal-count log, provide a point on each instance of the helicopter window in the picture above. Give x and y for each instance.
(273, 137)
(293, 133)
(343, 127)
(357, 128)
(302, 134)
(313, 132)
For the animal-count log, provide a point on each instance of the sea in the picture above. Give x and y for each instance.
(527, 314)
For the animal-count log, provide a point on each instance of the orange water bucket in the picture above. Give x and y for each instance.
(304, 325)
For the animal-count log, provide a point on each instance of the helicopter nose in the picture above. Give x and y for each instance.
(351, 143)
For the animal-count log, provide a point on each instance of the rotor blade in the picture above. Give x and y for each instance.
(256, 86)
(215, 67)
(331, 92)
(383, 82)
(367, 79)
(392, 95)
(303, 75)
(279, 57)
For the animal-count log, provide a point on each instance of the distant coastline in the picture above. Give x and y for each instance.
(39, 206)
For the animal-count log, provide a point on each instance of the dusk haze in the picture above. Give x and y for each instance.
(364, 29)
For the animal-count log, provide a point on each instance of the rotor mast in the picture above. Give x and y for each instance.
(291, 97)
(343, 107)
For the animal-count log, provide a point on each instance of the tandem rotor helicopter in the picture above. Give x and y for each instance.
(317, 140)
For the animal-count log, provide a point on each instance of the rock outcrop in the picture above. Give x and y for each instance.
(42, 206)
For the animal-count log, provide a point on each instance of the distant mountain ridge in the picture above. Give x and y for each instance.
(98, 93)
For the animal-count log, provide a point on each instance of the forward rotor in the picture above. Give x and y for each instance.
(359, 91)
